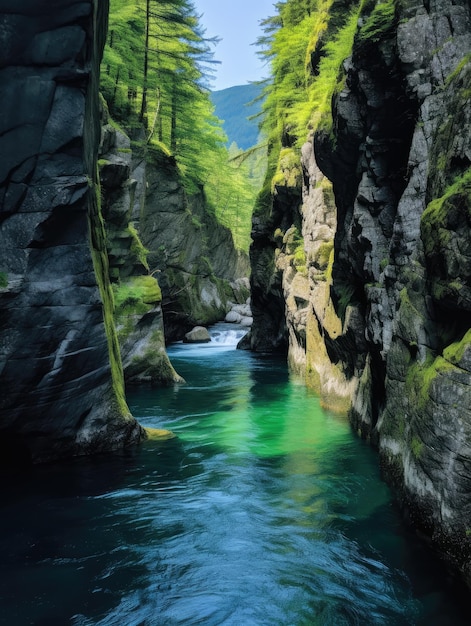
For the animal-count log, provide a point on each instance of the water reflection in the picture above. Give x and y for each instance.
(265, 511)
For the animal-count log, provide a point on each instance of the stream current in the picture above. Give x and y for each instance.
(265, 510)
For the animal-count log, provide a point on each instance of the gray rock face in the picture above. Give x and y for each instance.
(400, 170)
(198, 267)
(138, 298)
(378, 319)
(60, 394)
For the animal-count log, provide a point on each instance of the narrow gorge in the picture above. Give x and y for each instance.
(125, 221)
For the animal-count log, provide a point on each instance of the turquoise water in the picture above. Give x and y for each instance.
(266, 510)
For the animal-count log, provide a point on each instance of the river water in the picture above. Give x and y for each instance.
(264, 511)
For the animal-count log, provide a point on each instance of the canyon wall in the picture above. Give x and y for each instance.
(61, 378)
(370, 259)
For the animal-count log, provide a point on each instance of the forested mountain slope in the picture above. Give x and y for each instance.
(234, 106)
(361, 259)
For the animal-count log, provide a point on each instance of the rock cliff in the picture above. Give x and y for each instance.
(376, 314)
(60, 369)
(172, 265)
(199, 268)
(137, 294)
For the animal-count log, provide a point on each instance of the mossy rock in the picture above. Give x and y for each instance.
(379, 24)
(445, 213)
(289, 171)
(137, 295)
(158, 434)
(458, 351)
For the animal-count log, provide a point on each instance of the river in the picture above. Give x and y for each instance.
(264, 511)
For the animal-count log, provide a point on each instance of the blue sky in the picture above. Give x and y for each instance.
(237, 23)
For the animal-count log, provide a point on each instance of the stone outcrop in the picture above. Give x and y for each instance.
(403, 242)
(137, 294)
(198, 267)
(382, 322)
(60, 370)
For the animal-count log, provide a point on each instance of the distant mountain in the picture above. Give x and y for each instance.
(232, 106)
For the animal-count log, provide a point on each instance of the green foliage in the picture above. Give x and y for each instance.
(154, 73)
(289, 172)
(306, 44)
(380, 22)
(3, 280)
(231, 190)
(416, 446)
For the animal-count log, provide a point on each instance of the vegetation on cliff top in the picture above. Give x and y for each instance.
(306, 44)
(155, 73)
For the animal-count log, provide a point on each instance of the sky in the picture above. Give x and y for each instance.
(237, 24)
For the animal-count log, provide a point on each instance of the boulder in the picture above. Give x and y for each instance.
(199, 334)
(233, 317)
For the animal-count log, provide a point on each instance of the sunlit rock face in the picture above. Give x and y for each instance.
(400, 168)
(368, 284)
(59, 393)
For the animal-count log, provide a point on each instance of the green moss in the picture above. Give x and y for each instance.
(138, 295)
(435, 229)
(196, 222)
(289, 171)
(457, 71)
(101, 266)
(137, 248)
(454, 353)
(416, 447)
(330, 266)
(3, 280)
(324, 254)
(421, 376)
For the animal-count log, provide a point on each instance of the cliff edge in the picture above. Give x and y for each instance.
(60, 370)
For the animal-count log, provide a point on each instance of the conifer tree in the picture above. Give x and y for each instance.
(155, 72)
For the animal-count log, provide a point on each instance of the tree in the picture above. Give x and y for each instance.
(155, 76)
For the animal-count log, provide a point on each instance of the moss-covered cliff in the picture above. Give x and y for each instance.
(380, 325)
(60, 367)
(136, 292)
(199, 268)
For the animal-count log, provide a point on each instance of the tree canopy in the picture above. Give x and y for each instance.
(155, 73)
